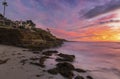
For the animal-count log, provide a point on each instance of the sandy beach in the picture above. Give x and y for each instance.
(18, 65)
(14, 69)
(97, 64)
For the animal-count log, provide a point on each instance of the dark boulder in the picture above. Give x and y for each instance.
(80, 70)
(23, 61)
(61, 59)
(34, 59)
(65, 69)
(4, 61)
(42, 60)
(65, 57)
(65, 65)
(38, 75)
(35, 52)
(53, 71)
(67, 74)
(37, 64)
(49, 53)
(89, 77)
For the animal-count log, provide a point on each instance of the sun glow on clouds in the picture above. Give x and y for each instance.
(77, 20)
(104, 29)
(117, 24)
(100, 34)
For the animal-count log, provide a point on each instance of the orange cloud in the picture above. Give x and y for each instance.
(102, 29)
(104, 33)
(98, 33)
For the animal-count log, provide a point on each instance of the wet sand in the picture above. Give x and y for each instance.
(18, 64)
(14, 69)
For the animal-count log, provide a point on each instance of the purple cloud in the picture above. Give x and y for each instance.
(101, 9)
(62, 15)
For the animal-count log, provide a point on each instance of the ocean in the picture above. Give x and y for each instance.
(101, 59)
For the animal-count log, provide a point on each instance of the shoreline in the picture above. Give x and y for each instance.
(35, 39)
(13, 69)
(19, 64)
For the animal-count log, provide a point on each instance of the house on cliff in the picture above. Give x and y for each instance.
(24, 24)
(5, 22)
(28, 24)
(1, 19)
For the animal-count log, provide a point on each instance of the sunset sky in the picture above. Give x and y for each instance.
(77, 20)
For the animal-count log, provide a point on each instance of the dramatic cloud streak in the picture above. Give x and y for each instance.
(69, 19)
(100, 9)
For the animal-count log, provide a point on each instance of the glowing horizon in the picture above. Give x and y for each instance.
(76, 20)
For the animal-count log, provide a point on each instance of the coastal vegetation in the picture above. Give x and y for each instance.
(25, 34)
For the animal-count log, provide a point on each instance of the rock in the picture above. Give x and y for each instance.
(34, 59)
(65, 65)
(23, 61)
(65, 69)
(54, 51)
(80, 70)
(37, 64)
(65, 57)
(53, 71)
(35, 39)
(38, 75)
(64, 60)
(42, 60)
(25, 50)
(36, 52)
(67, 74)
(89, 77)
(60, 60)
(49, 53)
(79, 77)
(4, 61)
(19, 54)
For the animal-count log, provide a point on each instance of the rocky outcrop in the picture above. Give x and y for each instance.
(65, 57)
(49, 53)
(53, 71)
(63, 67)
(25, 34)
(33, 39)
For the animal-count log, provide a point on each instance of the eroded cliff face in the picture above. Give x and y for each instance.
(36, 38)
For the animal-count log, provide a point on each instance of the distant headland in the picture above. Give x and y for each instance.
(25, 34)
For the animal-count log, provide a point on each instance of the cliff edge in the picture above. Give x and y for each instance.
(36, 38)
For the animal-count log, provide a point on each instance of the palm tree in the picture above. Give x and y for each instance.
(4, 3)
